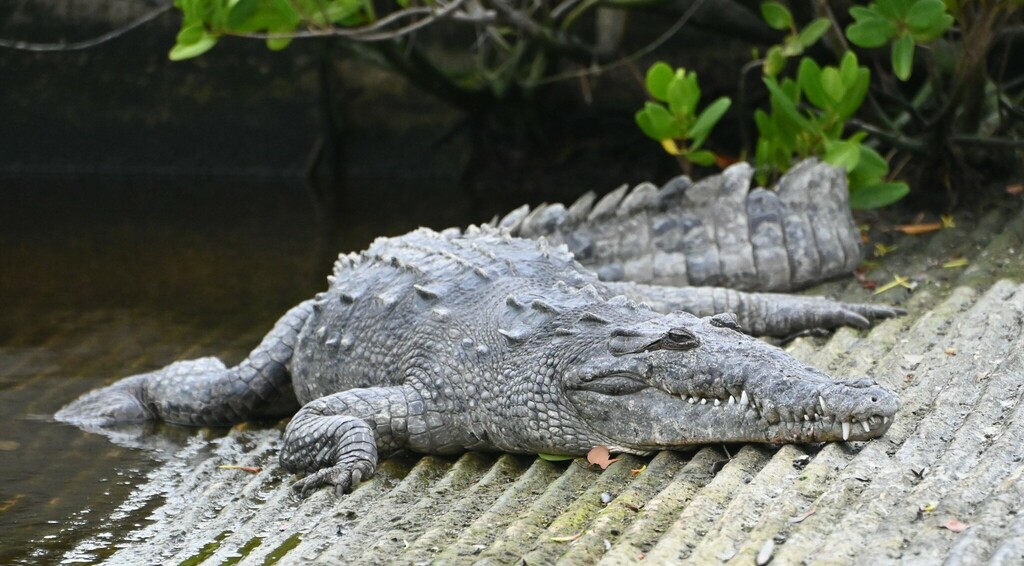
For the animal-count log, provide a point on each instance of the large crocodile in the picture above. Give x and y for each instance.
(444, 342)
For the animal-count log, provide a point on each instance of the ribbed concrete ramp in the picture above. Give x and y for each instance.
(945, 483)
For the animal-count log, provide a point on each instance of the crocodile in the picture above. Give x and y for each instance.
(716, 232)
(442, 342)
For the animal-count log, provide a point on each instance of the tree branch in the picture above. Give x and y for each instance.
(78, 45)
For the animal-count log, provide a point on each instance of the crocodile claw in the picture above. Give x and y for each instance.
(862, 315)
(342, 477)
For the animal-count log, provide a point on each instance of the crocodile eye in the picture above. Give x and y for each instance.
(680, 339)
(726, 320)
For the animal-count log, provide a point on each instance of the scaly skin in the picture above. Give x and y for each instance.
(440, 343)
(717, 232)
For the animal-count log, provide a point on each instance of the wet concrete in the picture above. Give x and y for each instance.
(954, 453)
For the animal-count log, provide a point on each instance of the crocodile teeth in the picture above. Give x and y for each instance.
(744, 400)
(732, 400)
(846, 430)
(703, 401)
(691, 400)
(806, 418)
(885, 420)
(718, 402)
(865, 426)
(821, 401)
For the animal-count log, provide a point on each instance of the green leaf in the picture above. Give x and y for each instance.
(842, 153)
(683, 94)
(240, 12)
(287, 12)
(808, 76)
(658, 77)
(928, 20)
(786, 104)
(855, 93)
(765, 126)
(776, 15)
(643, 121)
(903, 57)
(872, 168)
(791, 46)
(925, 14)
(877, 195)
(555, 457)
(181, 52)
(700, 157)
(661, 124)
(832, 84)
(870, 32)
(813, 32)
(848, 68)
(706, 121)
(893, 9)
(278, 43)
(191, 34)
(774, 61)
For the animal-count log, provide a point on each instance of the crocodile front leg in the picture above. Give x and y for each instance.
(336, 439)
(759, 314)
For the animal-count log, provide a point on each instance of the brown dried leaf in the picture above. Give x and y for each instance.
(955, 526)
(799, 518)
(250, 469)
(638, 471)
(569, 538)
(1015, 189)
(599, 455)
(914, 229)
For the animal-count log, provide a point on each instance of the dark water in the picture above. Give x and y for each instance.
(122, 278)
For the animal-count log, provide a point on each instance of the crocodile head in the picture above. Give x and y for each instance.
(677, 380)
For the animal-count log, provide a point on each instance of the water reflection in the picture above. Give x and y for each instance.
(120, 279)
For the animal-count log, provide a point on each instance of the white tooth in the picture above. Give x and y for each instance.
(691, 400)
(744, 400)
(703, 401)
(806, 418)
(865, 426)
(821, 401)
(885, 420)
(732, 400)
(846, 430)
(718, 402)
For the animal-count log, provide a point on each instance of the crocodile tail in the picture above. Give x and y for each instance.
(714, 232)
(202, 391)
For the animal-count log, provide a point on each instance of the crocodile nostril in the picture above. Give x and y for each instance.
(874, 399)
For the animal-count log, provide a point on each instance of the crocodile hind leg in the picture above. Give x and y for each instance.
(759, 314)
(202, 391)
(335, 440)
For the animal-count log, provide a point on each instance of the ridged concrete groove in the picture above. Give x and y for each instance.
(470, 505)
(661, 511)
(700, 516)
(483, 531)
(608, 527)
(954, 451)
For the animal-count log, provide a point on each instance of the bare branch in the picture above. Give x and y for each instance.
(78, 45)
(596, 69)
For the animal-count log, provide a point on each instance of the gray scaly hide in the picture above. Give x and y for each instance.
(717, 232)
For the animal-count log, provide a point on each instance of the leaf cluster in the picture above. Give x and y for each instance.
(808, 117)
(904, 23)
(673, 120)
(206, 21)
